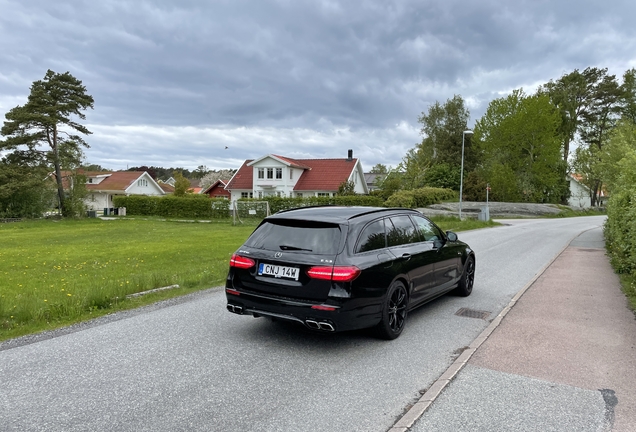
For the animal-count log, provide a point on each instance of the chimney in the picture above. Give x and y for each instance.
(350, 155)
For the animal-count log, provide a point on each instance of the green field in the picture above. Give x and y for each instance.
(56, 273)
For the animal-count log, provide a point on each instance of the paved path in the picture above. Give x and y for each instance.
(562, 359)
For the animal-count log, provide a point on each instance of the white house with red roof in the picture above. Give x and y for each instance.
(274, 175)
(103, 186)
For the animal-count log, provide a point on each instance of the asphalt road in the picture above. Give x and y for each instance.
(194, 366)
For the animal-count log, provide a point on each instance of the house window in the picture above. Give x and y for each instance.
(247, 195)
(270, 173)
(299, 194)
(90, 180)
(279, 173)
(291, 174)
(261, 173)
(323, 194)
(260, 194)
(142, 182)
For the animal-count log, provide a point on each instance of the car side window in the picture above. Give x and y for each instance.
(400, 230)
(372, 237)
(427, 230)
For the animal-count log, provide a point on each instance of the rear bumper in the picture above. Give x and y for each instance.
(347, 314)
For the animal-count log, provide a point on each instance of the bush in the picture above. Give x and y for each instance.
(403, 198)
(443, 176)
(419, 197)
(620, 231)
(187, 206)
(200, 206)
(474, 187)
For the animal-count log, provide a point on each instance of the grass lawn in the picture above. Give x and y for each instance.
(56, 273)
(452, 223)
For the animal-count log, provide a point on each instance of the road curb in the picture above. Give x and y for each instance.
(417, 410)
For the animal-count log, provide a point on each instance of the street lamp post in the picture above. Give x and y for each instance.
(461, 173)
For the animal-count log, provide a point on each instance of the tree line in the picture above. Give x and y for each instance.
(522, 147)
(525, 144)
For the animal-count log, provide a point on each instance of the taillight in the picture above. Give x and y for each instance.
(241, 262)
(336, 273)
(324, 308)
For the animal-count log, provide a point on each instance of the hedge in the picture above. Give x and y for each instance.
(189, 206)
(417, 198)
(200, 206)
(620, 231)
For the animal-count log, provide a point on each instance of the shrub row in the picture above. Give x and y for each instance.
(189, 206)
(620, 231)
(200, 206)
(417, 198)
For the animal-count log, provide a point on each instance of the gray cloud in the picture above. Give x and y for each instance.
(177, 80)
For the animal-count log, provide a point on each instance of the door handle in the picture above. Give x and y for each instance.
(406, 256)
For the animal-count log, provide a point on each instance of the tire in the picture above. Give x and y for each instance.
(465, 285)
(394, 312)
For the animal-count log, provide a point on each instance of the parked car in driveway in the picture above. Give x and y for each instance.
(345, 268)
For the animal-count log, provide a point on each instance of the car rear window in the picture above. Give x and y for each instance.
(293, 235)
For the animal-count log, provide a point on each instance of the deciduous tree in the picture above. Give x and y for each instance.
(379, 169)
(214, 175)
(442, 128)
(181, 184)
(347, 188)
(518, 137)
(23, 193)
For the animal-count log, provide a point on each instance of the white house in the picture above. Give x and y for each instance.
(580, 194)
(274, 175)
(103, 186)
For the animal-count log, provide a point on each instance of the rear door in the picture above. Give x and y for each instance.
(414, 257)
(371, 255)
(445, 255)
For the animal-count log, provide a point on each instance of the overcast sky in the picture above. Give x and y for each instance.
(175, 82)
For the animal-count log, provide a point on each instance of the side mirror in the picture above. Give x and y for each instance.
(451, 236)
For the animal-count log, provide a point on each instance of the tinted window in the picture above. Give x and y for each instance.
(400, 230)
(427, 231)
(280, 235)
(372, 237)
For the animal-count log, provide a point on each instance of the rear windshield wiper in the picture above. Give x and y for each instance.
(287, 247)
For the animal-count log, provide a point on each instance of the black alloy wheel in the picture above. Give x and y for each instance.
(465, 286)
(394, 313)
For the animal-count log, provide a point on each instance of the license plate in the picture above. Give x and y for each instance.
(278, 271)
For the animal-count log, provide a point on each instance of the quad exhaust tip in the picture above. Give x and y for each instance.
(235, 308)
(315, 325)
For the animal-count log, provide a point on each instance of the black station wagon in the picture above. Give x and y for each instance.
(346, 268)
